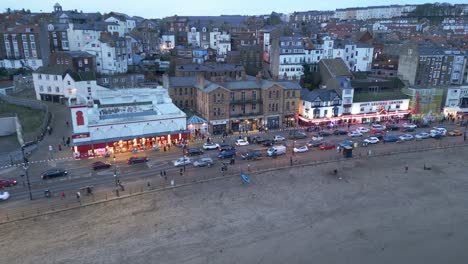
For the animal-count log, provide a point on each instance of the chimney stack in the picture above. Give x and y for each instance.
(243, 76)
(275, 77)
(294, 78)
(201, 80)
(259, 77)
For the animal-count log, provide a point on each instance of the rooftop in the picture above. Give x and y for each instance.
(382, 96)
(210, 68)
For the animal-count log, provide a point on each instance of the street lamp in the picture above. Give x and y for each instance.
(115, 173)
(26, 167)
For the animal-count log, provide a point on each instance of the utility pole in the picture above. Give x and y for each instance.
(26, 167)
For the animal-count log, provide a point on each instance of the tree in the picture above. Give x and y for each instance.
(310, 80)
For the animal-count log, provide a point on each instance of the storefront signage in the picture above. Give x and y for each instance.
(381, 103)
(85, 135)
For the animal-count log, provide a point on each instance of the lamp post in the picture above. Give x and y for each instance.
(115, 173)
(26, 167)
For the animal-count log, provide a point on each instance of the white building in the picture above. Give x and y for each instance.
(81, 34)
(56, 83)
(167, 42)
(389, 107)
(291, 58)
(457, 100)
(110, 52)
(193, 37)
(356, 55)
(320, 103)
(118, 121)
(122, 24)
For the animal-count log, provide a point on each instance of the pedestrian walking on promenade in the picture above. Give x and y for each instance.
(78, 195)
(62, 194)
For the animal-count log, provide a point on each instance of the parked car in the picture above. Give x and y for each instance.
(327, 145)
(226, 147)
(226, 154)
(4, 195)
(314, 143)
(393, 128)
(241, 142)
(324, 133)
(317, 137)
(345, 143)
(354, 134)
(375, 131)
(194, 152)
(408, 129)
(297, 135)
(203, 162)
(98, 165)
(455, 133)
(52, 173)
(7, 182)
(133, 160)
(258, 139)
(340, 132)
(210, 146)
(371, 140)
(276, 150)
(406, 137)
(279, 138)
(268, 143)
(439, 130)
(422, 135)
(301, 149)
(182, 161)
(378, 127)
(409, 125)
(380, 136)
(391, 138)
(362, 130)
(251, 155)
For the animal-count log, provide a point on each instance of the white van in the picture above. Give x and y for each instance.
(276, 150)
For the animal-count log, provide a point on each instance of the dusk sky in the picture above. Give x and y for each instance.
(159, 9)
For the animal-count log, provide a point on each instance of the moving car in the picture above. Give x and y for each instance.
(317, 137)
(258, 139)
(301, 149)
(422, 135)
(268, 143)
(182, 161)
(455, 133)
(276, 150)
(340, 132)
(345, 143)
(391, 138)
(210, 146)
(101, 165)
(203, 162)
(324, 133)
(439, 130)
(226, 147)
(378, 127)
(4, 196)
(241, 142)
(371, 140)
(411, 125)
(279, 138)
(133, 160)
(226, 154)
(251, 155)
(354, 134)
(362, 129)
(408, 129)
(314, 143)
(327, 145)
(7, 182)
(194, 152)
(52, 173)
(393, 128)
(297, 135)
(406, 137)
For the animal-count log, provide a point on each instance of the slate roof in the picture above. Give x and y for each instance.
(59, 70)
(210, 68)
(182, 81)
(336, 67)
(323, 94)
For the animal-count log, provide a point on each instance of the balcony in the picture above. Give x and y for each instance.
(246, 115)
(246, 101)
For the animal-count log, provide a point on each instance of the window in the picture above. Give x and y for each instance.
(233, 108)
(47, 77)
(55, 77)
(293, 105)
(180, 91)
(39, 77)
(185, 91)
(80, 63)
(49, 89)
(277, 96)
(254, 107)
(41, 88)
(57, 89)
(232, 96)
(108, 54)
(26, 53)
(68, 82)
(288, 94)
(269, 94)
(294, 94)
(254, 95)
(33, 45)
(31, 37)
(214, 111)
(243, 96)
(287, 106)
(325, 112)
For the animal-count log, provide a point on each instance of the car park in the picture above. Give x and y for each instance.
(278, 138)
(371, 140)
(411, 125)
(210, 146)
(314, 143)
(455, 133)
(362, 130)
(241, 142)
(134, 160)
(345, 143)
(251, 155)
(203, 162)
(98, 165)
(52, 173)
(406, 137)
(226, 154)
(4, 195)
(422, 135)
(390, 138)
(182, 161)
(7, 182)
(327, 145)
(354, 134)
(194, 152)
(340, 132)
(301, 149)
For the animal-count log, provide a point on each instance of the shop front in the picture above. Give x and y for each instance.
(219, 127)
(244, 125)
(273, 122)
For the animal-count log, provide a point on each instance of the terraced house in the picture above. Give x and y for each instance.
(243, 103)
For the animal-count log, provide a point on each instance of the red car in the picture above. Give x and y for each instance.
(100, 165)
(7, 182)
(375, 131)
(134, 160)
(327, 145)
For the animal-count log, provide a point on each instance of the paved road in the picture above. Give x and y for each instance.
(81, 175)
